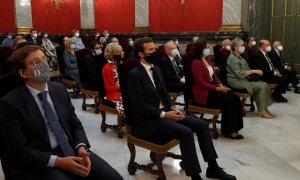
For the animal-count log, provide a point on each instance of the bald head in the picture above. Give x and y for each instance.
(169, 47)
(264, 45)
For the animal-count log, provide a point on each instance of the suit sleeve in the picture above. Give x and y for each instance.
(135, 90)
(166, 71)
(12, 131)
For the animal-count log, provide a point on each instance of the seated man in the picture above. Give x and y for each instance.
(277, 60)
(92, 76)
(43, 137)
(156, 119)
(250, 51)
(270, 72)
(33, 37)
(172, 68)
(224, 53)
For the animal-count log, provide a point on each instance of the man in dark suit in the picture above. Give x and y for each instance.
(156, 119)
(250, 51)
(43, 138)
(171, 68)
(92, 75)
(277, 60)
(33, 37)
(270, 72)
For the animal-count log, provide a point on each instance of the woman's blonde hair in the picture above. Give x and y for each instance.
(68, 44)
(109, 50)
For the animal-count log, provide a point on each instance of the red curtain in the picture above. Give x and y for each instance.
(193, 15)
(114, 15)
(45, 17)
(7, 16)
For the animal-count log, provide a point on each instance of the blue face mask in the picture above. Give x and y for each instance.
(206, 52)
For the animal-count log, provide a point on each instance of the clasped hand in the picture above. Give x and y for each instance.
(80, 165)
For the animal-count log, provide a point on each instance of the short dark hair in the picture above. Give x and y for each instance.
(32, 30)
(139, 44)
(93, 44)
(19, 56)
(199, 46)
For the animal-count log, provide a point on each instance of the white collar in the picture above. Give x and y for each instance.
(146, 66)
(34, 91)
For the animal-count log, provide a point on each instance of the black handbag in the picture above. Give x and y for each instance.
(253, 77)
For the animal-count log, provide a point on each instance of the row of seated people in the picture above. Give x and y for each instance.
(172, 70)
(154, 118)
(267, 59)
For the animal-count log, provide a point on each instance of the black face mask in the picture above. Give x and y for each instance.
(117, 58)
(151, 58)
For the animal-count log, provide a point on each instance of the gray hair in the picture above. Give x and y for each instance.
(17, 38)
(225, 41)
(276, 43)
(235, 42)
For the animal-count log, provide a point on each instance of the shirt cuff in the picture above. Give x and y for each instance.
(80, 144)
(162, 114)
(274, 72)
(285, 66)
(51, 161)
(182, 80)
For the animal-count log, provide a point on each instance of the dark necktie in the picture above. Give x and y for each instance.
(177, 71)
(270, 63)
(158, 86)
(58, 130)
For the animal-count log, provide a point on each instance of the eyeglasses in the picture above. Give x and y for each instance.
(36, 61)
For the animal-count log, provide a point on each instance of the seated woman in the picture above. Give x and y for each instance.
(113, 53)
(208, 91)
(70, 61)
(238, 76)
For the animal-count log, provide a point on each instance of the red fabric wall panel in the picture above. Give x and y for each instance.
(7, 16)
(193, 15)
(114, 15)
(45, 17)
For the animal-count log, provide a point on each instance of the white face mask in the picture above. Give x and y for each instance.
(77, 34)
(98, 51)
(268, 49)
(174, 52)
(242, 49)
(195, 39)
(206, 52)
(228, 48)
(9, 37)
(72, 46)
(253, 43)
(97, 35)
(280, 48)
(34, 35)
(176, 42)
(46, 35)
(107, 35)
(131, 43)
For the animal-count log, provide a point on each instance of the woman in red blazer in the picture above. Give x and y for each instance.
(208, 91)
(113, 53)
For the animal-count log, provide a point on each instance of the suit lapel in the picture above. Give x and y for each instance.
(147, 79)
(34, 113)
(59, 108)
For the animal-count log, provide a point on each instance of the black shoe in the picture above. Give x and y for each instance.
(196, 177)
(218, 173)
(238, 137)
(276, 98)
(283, 99)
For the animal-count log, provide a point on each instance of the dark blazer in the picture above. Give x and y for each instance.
(169, 74)
(38, 40)
(24, 131)
(91, 74)
(262, 63)
(277, 61)
(145, 101)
